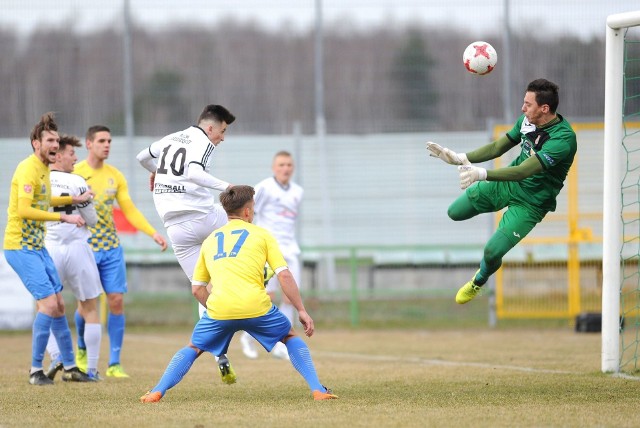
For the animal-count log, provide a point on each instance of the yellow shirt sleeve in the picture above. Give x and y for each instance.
(57, 201)
(131, 212)
(27, 212)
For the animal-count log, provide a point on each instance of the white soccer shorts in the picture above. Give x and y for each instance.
(293, 261)
(77, 269)
(187, 237)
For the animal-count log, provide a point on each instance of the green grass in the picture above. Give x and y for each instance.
(511, 376)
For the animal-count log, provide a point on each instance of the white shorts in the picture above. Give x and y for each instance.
(187, 237)
(293, 261)
(77, 269)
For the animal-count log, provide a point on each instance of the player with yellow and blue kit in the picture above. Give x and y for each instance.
(232, 259)
(29, 201)
(109, 186)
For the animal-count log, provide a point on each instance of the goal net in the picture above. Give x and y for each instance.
(621, 204)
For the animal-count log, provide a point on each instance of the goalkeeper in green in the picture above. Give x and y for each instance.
(528, 187)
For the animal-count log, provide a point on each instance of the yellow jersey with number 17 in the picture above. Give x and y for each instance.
(30, 180)
(232, 258)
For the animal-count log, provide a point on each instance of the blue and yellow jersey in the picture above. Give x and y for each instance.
(30, 182)
(109, 186)
(232, 258)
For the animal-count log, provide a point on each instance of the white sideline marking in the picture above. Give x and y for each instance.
(625, 376)
(386, 358)
(418, 360)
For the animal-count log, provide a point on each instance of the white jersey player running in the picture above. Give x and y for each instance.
(73, 257)
(277, 202)
(179, 164)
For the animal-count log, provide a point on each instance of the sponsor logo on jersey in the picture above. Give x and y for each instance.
(167, 188)
(549, 159)
(28, 188)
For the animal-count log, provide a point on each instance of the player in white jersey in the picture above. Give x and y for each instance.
(72, 254)
(179, 164)
(277, 202)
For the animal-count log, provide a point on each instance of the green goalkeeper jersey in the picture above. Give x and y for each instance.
(555, 147)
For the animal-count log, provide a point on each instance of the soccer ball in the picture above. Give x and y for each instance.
(480, 58)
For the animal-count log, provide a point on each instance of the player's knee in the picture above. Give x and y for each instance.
(116, 303)
(454, 215)
(49, 306)
(195, 348)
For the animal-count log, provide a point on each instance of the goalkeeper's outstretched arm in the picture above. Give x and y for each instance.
(490, 151)
(470, 174)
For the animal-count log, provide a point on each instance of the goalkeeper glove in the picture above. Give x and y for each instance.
(447, 155)
(470, 174)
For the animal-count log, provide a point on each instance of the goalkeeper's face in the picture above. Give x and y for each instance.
(536, 114)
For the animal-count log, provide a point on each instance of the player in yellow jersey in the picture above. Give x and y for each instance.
(29, 201)
(109, 186)
(232, 259)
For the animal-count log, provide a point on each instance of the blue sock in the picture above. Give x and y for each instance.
(177, 368)
(62, 333)
(115, 328)
(40, 337)
(301, 360)
(80, 329)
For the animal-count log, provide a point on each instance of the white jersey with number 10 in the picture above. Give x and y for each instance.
(175, 196)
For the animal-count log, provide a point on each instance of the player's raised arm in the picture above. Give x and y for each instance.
(200, 177)
(446, 155)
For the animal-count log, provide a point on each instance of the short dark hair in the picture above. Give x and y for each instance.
(546, 93)
(93, 130)
(216, 113)
(68, 140)
(233, 200)
(47, 123)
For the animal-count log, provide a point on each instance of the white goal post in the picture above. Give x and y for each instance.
(612, 228)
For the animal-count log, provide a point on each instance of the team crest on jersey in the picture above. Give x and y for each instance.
(43, 189)
(27, 188)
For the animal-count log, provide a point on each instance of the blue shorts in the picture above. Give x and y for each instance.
(36, 270)
(215, 335)
(113, 270)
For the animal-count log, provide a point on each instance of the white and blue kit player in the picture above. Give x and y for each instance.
(73, 256)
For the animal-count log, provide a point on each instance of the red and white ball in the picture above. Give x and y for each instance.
(480, 58)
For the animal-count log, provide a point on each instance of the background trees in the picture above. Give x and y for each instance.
(379, 80)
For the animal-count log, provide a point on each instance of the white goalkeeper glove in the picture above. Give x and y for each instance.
(447, 155)
(469, 174)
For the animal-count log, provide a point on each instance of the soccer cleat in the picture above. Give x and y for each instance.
(151, 397)
(75, 375)
(116, 370)
(94, 376)
(468, 291)
(280, 351)
(81, 359)
(39, 378)
(227, 373)
(248, 349)
(326, 395)
(54, 368)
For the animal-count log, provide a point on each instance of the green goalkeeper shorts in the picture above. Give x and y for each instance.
(519, 218)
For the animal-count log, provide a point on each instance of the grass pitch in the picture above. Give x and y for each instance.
(387, 378)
